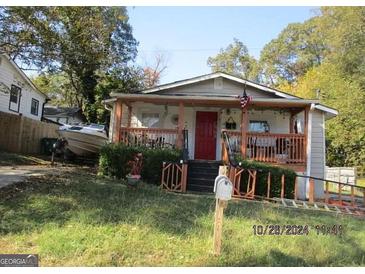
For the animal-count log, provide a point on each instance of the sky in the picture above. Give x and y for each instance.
(187, 36)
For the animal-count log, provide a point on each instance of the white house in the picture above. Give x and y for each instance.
(275, 128)
(18, 95)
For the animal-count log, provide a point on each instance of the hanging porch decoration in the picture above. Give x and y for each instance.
(245, 99)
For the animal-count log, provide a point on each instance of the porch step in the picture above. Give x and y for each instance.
(201, 175)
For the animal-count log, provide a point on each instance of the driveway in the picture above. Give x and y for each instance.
(14, 174)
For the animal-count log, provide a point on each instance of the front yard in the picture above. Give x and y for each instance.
(75, 218)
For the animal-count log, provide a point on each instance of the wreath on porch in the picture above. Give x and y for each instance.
(175, 119)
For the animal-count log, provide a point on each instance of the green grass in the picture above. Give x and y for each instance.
(78, 219)
(7, 159)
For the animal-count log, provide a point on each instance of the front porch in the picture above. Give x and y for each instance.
(267, 131)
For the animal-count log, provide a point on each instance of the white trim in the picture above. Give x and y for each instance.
(309, 147)
(324, 146)
(216, 75)
(109, 102)
(25, 77)
(231, 98)
(326, 109)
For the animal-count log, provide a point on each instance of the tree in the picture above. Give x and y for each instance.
(299, 47)
(80, 41)
(344, 29)
(153, 72)
(123, 80)
(235, 60)
(58, 88)
(345, 134)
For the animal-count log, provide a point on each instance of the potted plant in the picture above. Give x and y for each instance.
(134, 177)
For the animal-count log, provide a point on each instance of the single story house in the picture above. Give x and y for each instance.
(18, 95)
(276, 127)
(64, 115)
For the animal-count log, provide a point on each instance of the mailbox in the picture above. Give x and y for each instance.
(223, 188)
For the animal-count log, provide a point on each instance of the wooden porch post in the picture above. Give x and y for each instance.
(117, 120)
(180, 128)
(306, 118)
(244, 128)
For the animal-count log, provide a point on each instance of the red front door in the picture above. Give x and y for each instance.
(205, 135)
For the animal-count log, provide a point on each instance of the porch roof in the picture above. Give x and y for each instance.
(227, 101)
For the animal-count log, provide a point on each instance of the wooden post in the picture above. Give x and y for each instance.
(352, 196)
(327, 194)
(296, 189)
(117, 120)
(184, 176)
(244, 128)
(311, 190)
(340, 193)
(220, 205)
(163, 174)
(268, 185)
(224, 153)
(180, 128)
(306, 118)
(282, 186)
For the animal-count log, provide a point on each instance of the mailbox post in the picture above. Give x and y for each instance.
(223, 193)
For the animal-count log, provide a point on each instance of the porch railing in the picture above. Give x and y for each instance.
(149, 137)
(271, 147)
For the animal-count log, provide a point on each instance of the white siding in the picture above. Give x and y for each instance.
(317, 151)
(10, 76)
(318, 145)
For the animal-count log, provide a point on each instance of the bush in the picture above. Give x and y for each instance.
(114, 160)
(262, 175)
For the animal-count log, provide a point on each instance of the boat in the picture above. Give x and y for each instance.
(84, 140)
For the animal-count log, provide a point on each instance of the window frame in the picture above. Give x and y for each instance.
(259, 121)
(151, 113)
(18, 95)
(37, 108)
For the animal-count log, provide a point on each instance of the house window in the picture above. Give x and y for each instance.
(259, 126)
(14, 94)
(151, 120)
(34, 107)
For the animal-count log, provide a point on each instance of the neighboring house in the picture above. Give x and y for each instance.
(18, 95)
(276, 128)
(64, 115)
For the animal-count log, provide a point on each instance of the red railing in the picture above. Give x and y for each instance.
(271, 147)
(149, 137)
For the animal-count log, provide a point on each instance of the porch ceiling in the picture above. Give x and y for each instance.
(207, 100)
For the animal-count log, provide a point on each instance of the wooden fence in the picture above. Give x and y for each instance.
(23, 135)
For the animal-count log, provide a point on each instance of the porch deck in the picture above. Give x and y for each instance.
(286, 150)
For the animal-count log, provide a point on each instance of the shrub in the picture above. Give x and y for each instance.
(114, 160)
(262, 175)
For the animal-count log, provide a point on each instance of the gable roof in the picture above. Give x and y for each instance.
(21, 72)
(217, 75)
